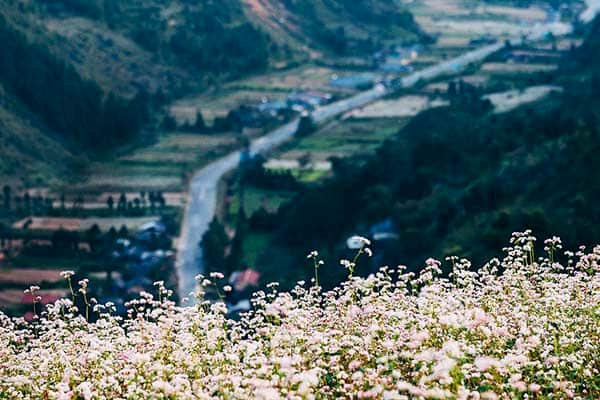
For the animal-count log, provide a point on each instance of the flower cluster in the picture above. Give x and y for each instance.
(515, 328)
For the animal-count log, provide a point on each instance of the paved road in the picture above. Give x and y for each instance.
(202, 199)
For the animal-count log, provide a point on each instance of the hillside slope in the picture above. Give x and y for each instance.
(89, 71)
(28, 150)
(177, 45)
(459, 179)
(338, 26)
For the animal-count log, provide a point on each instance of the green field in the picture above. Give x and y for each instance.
(163, 166)
(344, 138)
(219, 100)
(255, 198)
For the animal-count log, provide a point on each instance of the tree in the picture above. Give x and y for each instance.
(237, 252)
(123, 232)
(200, 125)
(152, 200)
(93, 236)
(27, 203)
(65, 101)
(214, 242)
(110, 236)
(221, 124)
(452, 90)
(169, 123)
(161, 199)
(64, 242)
(7, 197)
(110, 202)
(306, 126)
(122, 204)
(78, 202)
(304, 160)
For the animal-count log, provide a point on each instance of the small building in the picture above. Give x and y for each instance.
(384, 230)
(482, 40)
(241, 280)
(153, 226)
(396, 65)
(272, 108)
(307, 101)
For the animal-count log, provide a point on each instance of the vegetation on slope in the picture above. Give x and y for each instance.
(455, 180)
(233, 38)
(88, 72)
(529, 331)
(352, 27)
(27, 150)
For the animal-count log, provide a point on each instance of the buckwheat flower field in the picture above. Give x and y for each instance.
(518, 328)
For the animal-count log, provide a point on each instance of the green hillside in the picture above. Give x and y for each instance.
(87, 74)
(459, 179)
(26, 148)
(342, 27)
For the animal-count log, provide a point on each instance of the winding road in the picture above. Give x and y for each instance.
(202, 198)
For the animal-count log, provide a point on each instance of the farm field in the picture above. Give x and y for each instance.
(513, 68)
(163, 166)
(273, 86)
(405, 106)
(456, 18)
(256, 198)
(29, 276)
(82, 224)
(509, 100)
(16, 296)
(343, 138)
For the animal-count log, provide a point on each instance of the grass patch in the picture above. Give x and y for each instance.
(255, 198)
(345, 138)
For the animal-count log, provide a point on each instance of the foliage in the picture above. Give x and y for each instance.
(67, 103)
(255, 173)
(529, 331)
(214, 47)
(348, 27)
(460, 178)
(306, 126)
(214, 243)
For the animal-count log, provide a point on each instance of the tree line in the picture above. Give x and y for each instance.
(458, 180)
(67, 103)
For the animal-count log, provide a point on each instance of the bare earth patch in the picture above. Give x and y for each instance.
(16, 296)
(406, 106)
(517, 68)
(28, 276)
(82, 224)
(506, 101)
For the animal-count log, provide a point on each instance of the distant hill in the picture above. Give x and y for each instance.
(84, 74)
(175, 45)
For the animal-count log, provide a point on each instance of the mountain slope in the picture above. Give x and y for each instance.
(338, 26)
(86, 73)
(459, 179)
(26, 148)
